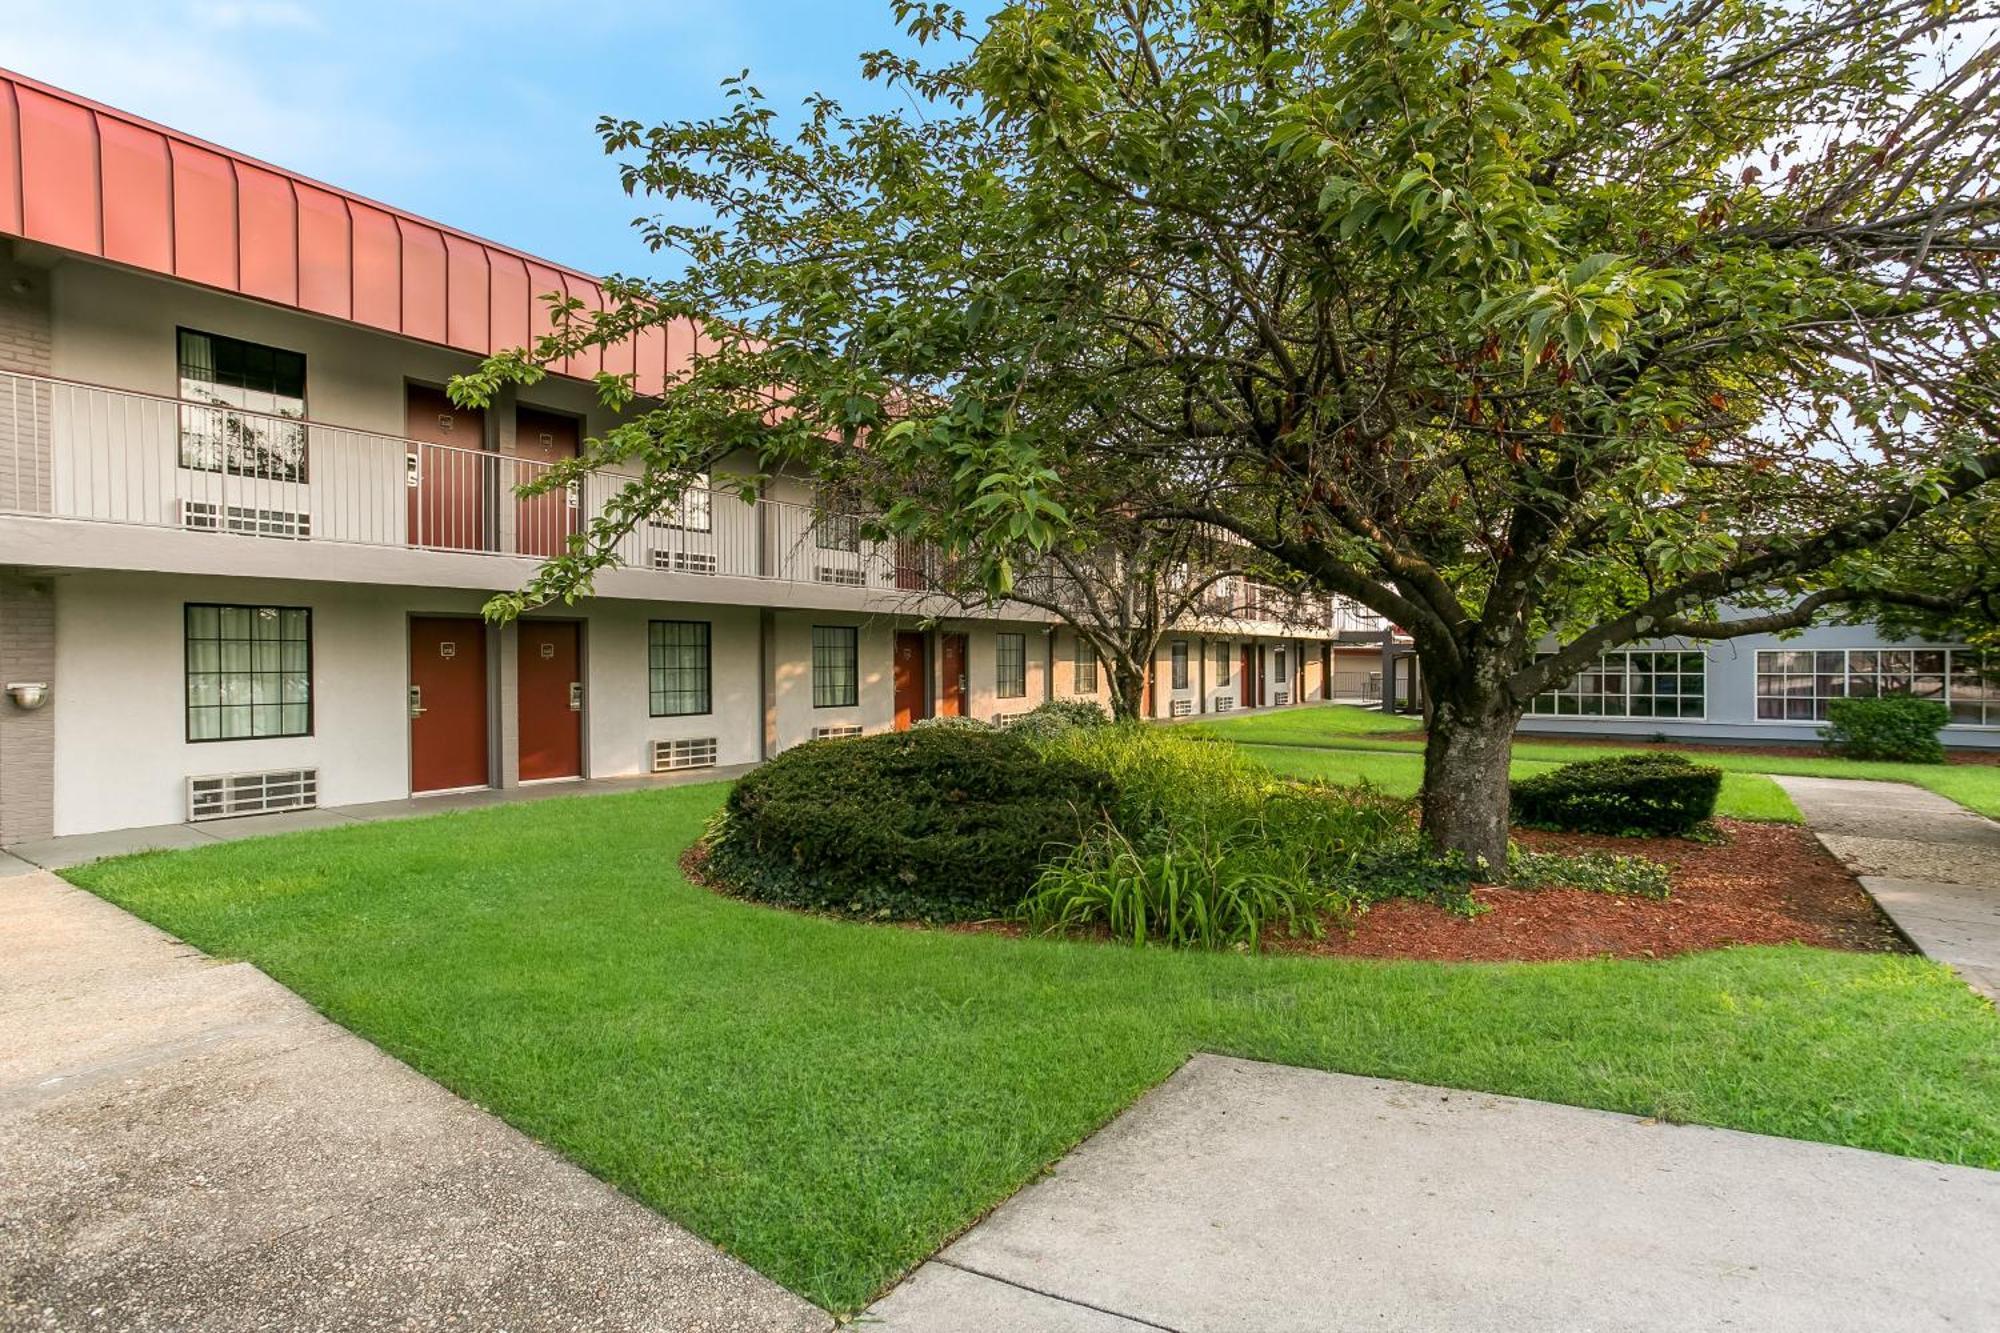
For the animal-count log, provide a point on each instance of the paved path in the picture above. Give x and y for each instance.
(1933, 865)
(1262, 1199)
(186, 1145)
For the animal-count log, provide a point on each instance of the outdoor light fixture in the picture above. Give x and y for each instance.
(28, 695)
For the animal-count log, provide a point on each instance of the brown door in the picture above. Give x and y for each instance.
(551, 699)
(1146, 692)
(1326, 671)
(542, 523)
(447, 703)
(951, 693)
(449, 472)
(909, 679)
(1247, 669)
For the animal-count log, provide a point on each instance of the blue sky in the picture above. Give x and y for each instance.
(476, 114)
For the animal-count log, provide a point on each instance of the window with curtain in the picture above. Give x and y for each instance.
(249, 671)
(244, 407)
(1225, 655)
(1797, 684)
(1083, 673)
(1010, 665)
(677, 668)
(1278, 665)
(1179, 652)
(836, 666)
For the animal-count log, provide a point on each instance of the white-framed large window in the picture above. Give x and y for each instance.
(1636, 683)
(1797, 684)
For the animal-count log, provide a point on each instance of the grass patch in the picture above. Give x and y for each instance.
(832, 1101)
(1744, 795)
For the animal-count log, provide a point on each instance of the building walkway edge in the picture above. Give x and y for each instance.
(191, 1148)
(1932, 865)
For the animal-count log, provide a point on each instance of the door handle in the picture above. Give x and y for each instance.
(416, 701)
(576, 696)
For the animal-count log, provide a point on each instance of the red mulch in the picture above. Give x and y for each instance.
(1767, 884)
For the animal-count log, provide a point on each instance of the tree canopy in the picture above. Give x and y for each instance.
(1609, 321)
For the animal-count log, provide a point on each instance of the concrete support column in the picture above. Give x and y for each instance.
(767, 678)
(504, 722)
(26, 466)
(27, 736)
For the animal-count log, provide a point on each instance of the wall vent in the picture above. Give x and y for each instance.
(838, 731)
(205, 516)
(846, 576)
(1224, 702)
(227, 795)
(1182, 707)
(1279, 698)
(1007, 719)
(684, 562)
(672, 756)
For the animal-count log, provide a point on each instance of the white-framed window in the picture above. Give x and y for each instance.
(1010, 666)
(1797, 684)
(1083, 669)
(1636, 683)
(1278, 665)
(245, 406)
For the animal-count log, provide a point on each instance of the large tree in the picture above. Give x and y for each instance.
(1606, 321)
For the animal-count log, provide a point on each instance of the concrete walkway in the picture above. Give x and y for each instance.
(186, 1145)
(1257, 1198)
(76, 848)
(1933, 865)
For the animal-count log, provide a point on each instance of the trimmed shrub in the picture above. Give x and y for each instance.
(1896, 727)
(1056, 716)
(1638, 794)
(943, 722)
(933, 824)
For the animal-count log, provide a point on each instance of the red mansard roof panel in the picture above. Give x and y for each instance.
(87, 178)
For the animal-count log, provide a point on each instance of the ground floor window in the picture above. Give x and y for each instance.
(1223, 654)
(677, 667)
(249, 672)
(1278, 665)
(1083, 669)
(1010, 665)
(836, 666)
(1180, 660)
(1797, 684)
(1640, 683)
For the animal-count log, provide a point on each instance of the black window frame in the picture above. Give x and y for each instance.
(1177, 654)
(1225, 661)
(654, 669)
(198, 418)
(1000, 680)
(188, 673)
(1083, 667)
(821, 670)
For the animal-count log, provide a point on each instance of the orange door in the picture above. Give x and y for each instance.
(909, 679)
(951, 694)
(447, 703)
(542, 523)
(551, 699)
(1146, 693)
(449, 474)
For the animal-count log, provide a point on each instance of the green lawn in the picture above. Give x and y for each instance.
(1340, 727)
(833, 1101)
(1743, 796)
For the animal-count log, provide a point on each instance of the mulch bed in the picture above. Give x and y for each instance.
(1766, 884)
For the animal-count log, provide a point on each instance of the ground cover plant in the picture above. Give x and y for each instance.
(831, 1101)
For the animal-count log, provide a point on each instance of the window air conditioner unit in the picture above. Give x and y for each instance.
(205, 516)
(1224, 702)
(845, 576)
(228, 795)
(673, 756)
(685, 562)
(838, 731)
(1182, 707)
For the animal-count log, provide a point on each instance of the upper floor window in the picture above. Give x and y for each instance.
(1180, 661)
(249, 672)
(1010, 665)
(243, 400)
(694, 511)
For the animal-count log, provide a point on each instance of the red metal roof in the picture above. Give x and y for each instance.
(90, 179)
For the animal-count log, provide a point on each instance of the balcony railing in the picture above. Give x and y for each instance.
(82, 451)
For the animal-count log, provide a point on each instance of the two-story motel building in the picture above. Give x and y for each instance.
(245, 537)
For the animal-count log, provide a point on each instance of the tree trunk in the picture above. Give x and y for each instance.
(1127, 689)
(1464, 800)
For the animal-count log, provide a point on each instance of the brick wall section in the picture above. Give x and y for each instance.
(24, 408)
(27, 740)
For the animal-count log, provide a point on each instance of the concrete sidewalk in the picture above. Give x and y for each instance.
(186, 1145)
(1249, 1198)
(1933, 865)
(77, 848)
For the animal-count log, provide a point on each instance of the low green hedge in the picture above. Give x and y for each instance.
(931, 824)
(1897, 727)
(1645, 794)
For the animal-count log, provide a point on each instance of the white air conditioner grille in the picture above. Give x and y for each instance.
(845, 576)
(684, 562)
(1280, 697)
(1224, 702)
(1007, 719)
(672, 756)
(838, 731)
(1182, 707)
(204, 516)
(227, 795)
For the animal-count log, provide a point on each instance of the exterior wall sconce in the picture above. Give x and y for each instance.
(28, 695)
